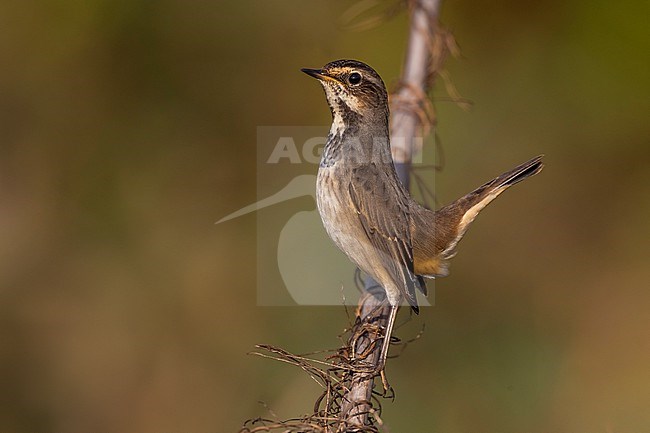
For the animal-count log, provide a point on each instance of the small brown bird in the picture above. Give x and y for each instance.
(367, 211)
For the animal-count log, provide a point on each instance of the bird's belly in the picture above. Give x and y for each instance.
(340, 219)
(343, 225)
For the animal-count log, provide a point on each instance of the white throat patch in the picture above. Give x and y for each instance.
(337, 96)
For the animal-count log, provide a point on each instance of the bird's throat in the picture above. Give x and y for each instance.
(353, 142)
(332, 150)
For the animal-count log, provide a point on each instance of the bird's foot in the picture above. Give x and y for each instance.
(388, 390)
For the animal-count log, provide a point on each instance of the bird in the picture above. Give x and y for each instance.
(364, 207)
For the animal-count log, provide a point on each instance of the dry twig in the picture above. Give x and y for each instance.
(350, 401)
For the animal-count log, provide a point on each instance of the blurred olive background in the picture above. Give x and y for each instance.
(128, 127)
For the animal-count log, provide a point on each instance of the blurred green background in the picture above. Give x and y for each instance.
(128, 127)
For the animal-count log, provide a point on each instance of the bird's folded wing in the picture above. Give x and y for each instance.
(383, 212)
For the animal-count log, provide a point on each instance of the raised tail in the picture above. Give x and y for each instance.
(468, 206)
(435, 238)
(517, 174)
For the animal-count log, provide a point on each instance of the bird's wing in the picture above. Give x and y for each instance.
(384, 214)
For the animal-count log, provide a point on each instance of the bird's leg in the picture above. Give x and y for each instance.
(386, 343)
(384, 383)
(384, 348)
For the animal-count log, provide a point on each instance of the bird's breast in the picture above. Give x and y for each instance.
(340, 219)
(333, 197)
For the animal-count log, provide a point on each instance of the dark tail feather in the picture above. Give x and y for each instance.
(422, 285)
(521, 172)
(467, 207)
(412, 285)
(454, 219)
(506, 180)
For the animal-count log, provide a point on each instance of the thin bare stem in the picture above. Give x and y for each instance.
(350, 401)
(412, 114)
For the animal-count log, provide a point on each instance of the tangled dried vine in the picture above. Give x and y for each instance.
(335, 374)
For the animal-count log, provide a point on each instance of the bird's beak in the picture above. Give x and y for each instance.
(317, 73)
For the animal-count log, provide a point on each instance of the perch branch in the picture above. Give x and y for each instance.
(412, 115)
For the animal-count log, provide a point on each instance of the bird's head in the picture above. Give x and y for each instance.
(351, 85)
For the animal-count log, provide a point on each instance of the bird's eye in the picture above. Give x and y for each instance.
(354, 78)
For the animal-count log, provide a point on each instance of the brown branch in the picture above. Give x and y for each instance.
(410, 107)
(349, 401)
(412, 115)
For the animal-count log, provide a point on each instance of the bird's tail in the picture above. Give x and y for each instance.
(499, 184)
(468, 206)
(437, 244)
(436, 234)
